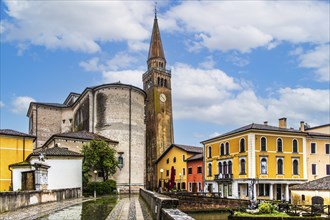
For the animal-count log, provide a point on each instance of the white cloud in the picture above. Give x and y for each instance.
(208, 63)
(78, 25)
(2, 104)
(245, 25)
(319, 60)
(21, 104)
(131, 77)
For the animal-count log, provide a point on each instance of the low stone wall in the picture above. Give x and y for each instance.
(10, 201)
(162, 207)
(191, 203)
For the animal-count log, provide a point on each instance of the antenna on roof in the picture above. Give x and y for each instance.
(155, 10)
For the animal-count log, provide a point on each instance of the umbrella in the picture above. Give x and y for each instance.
(172, 180)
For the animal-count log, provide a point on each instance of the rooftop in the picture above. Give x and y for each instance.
(56, 151)
(195, 157)
(318, 184)
(15, 133)
(187, 148)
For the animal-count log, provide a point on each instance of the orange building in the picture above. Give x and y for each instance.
(195, 179)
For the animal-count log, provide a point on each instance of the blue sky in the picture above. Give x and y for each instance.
(232, 62)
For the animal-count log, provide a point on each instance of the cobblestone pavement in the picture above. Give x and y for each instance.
(33, 212)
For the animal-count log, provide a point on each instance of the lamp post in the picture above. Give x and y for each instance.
(95, 172)
(161, 177)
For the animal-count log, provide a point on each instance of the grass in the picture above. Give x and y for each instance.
(274, 214)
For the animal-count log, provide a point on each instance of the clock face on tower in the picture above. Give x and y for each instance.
(162, 97)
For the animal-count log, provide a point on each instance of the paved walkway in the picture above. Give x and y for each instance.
(128, 208)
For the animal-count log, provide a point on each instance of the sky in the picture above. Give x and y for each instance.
(233, 62)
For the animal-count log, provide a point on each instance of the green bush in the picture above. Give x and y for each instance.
(102, 188)
(266, 208)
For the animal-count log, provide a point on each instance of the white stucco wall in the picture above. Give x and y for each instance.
(17, 177)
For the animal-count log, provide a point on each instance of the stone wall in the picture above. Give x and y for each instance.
(10, 201)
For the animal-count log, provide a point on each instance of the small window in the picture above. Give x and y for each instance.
(303, 198)
(225, 168)
(313, 148)
(242, 145)
(263, 144)
(227, 149)
(174, 159)
(167, 172)
(263, 166)
(295, 146)
(327, 169)
(230, 189)
(242, 170)
(295, 165)
(199, 170)
(183, 157)
(263, 189)
(210, 169)
(222, 149)
(230, 167)
(279, 145)
(183, 171)
(313, 169)
(189, 170)
(63, 121)
(168, 160)
(210, 151)
(219, 167)
(280, 166)
(70, 120)
(327, 148)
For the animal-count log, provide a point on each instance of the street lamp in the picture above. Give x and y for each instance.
(95, 172)
(161, 177)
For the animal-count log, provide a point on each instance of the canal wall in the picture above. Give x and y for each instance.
(192, 203)
(163, 207)
(10, 201)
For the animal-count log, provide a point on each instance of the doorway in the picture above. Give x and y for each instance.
(278, 191)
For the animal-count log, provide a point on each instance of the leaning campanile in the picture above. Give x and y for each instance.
(158, 110)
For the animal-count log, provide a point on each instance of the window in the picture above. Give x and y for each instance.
(227, 148)
(222, 149)
(189, 170)
(303, 198)
(295, 146)
(279, 145)
(230, 169)
(183, 157)
(280, 166)
(200, 186)
(263, 144)
(168, 160)
(327, 148)
(190, 187)
(174, 159)
(263, 166)
(199, 170)
(225, 167)
(230, 189)
(313, 148)
(313, 169)
(210, 169)
(242, 145)
(327, 169)
(183, 185)
(210, 151)
(295, 165)
(242, 168)
(263, 189)
(183, 171)
(219, 167)
(167, 172)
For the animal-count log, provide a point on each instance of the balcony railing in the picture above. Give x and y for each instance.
(223, 177)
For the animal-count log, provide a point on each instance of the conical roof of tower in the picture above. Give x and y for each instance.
(156, 47)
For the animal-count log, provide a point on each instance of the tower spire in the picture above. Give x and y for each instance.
(156, 56)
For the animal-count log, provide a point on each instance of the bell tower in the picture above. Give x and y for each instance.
(158, 110)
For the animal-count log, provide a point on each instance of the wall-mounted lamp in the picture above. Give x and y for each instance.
(120, 160)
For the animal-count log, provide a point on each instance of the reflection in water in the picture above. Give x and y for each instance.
(209, 215)
(89, 210)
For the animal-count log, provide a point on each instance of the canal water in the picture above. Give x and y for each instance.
(89, 210)
(209, 215)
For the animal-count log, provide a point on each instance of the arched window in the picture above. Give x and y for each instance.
(227, 148)
(280, 166)
(158, 80)
(161, 82)
(279, 145)
(174, 160)
(230, 167)
(219, 167)
(210, 169)
(263, 166)
(263, 143)
(225, 168)
(303, 199)
(295, 166)
(242, 163)
(222, 149)
(210, 151)
(242, 145)
(294, 146)
(165, 83)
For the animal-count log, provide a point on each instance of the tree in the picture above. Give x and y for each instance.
(98, 155)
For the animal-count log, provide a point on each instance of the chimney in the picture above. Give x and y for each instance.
(265, 122)
(282, 122)
(302, 126)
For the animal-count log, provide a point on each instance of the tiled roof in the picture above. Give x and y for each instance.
(56, 151)
(195, 157)
(187, 148)
(316, 134)
(57, 105)
(318, 184)
(256, 127)
(15, 133)
(320, 126)
(20, 164)
(85, 135)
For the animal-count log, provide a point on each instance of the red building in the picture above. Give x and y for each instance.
(195, 178)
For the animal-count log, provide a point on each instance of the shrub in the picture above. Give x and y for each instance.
(266, 208)
(102, 188)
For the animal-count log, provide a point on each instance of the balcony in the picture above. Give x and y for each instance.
(223, 177)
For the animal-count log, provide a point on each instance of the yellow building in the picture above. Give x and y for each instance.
(312, 192)
(257, 161)
(175, 156)
(14, 147)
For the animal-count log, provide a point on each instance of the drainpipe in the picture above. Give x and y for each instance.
(130, 139)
